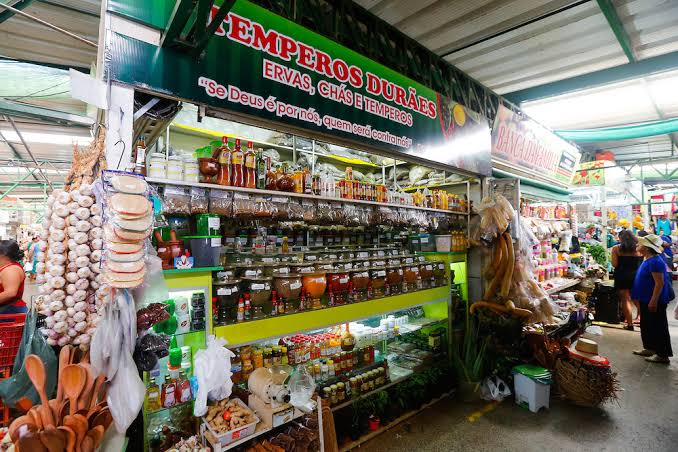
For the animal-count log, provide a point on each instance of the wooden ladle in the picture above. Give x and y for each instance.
(36, 372)
(73, 379)
(64, 358)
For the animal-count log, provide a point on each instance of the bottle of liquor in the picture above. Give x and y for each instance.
(261, 171)
(248, 307)
(250, 166)
(241, 310)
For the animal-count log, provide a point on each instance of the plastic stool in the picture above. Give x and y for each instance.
(532, 386)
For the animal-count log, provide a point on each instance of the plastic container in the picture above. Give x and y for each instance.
(208, 224)
(427, 243)
(191, 169)
(234, 435)
(443, 243)
(413, 243)
(157, 166)
(175, 168)
(205, 249)
(532, 386)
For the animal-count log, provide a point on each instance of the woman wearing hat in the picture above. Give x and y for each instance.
(651, 289)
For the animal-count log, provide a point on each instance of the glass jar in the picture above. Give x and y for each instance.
(344, 265)
(258, 358)
(248, 270)
(360, 280)
(314, 285)
(410, 277)
(259, 288)
(338, 285)
(377, 262)
(439, 273)
(287, 285)
(302, 268)
(324, 265)
(394, 279)
(226, 274)
(157, 166)
(227, 293)
(426, 273)
(312, 256)
(378, 278)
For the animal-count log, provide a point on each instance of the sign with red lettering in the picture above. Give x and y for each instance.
(265, 66)
(526, 144)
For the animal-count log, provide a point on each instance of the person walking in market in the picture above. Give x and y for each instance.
(626, 259)
(652, 289)
(12, 278)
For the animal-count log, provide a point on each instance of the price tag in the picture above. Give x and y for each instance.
(214, 222)
(343, 280)
(381, 273)
(423, 239)
(224, 291)
(311, 258)
(215, 242)
(258, 286)
(295, 285)
(429, 267)
(267, 260)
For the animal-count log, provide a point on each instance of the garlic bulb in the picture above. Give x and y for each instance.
(70, 288)
(82, 284)
(80, 238)
(97, 244)
(63, 197)
(83, 226)
(82, 261)
(84, 272)
(73, 206)
(85, 201)
(82, 213)
(69, 302)
(96, 220)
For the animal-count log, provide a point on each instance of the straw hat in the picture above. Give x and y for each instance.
(587, 350)
(653, 242)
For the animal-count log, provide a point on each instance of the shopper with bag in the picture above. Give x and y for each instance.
(652, 288)
(12, 278)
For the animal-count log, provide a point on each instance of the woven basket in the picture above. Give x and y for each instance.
(586, 385)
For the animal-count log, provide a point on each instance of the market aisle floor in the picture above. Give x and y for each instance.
(644, 420)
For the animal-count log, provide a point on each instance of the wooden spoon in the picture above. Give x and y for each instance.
(95, 391)
(78, 428)
(15, 427)
(86, 394)
(54, 405)
(73, 379)
(36, 372)
(91, 415)
(69, 436)
(103, 418)
(64, 357)
(63, 410)
(31, 442)
(53, 439)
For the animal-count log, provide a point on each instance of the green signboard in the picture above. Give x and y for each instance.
(263, 65)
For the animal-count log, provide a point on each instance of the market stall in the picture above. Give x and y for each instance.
(275, 261)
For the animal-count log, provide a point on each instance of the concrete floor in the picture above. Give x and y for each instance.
(644, 419)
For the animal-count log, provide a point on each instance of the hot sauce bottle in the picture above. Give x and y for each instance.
(224, 159)
(237, 165)
(250, 166)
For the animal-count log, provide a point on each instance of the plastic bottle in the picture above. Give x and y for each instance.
(224, 159)
(238, 165)
(250, 166)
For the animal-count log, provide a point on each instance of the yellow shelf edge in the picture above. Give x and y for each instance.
(248, 332)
